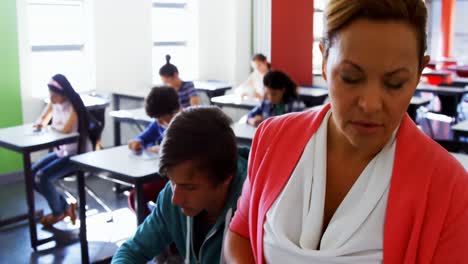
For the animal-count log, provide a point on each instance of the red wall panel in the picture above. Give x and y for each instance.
(292, 38)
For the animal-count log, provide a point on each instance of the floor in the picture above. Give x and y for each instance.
(104, 237)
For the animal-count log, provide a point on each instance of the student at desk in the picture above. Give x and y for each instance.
(253, 86)
(206, 172)
(68, 114)
(162, 103)
(280, 98)
(170, 76)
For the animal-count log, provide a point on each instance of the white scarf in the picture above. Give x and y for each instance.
(293, 226)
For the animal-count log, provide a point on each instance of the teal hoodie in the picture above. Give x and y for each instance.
(167, 224)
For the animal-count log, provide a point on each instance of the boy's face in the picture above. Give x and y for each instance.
(164, 120)
(171, 81)
(193, 191)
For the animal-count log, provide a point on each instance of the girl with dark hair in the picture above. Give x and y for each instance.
(280, 98)
(67, 114)
(253, 86)
(170, 76)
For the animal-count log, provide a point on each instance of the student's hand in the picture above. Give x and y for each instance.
(258, 96)
(37, 127)
(154, 149)
(135, 146)
(255, 121)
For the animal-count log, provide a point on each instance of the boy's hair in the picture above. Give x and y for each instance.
(162, 100)
(202, 135)
(168, 69)
(278, 80)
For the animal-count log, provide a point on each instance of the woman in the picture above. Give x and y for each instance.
(253, 86)
(356, 182)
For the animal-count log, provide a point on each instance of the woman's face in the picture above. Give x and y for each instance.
(56, 98)
(372, 71)
(261, 66)
(171, 81)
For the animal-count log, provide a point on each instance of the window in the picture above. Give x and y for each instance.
(174, 31)
(460, 38)
(319, 6)
(57, 38)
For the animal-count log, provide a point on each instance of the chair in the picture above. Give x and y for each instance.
(97, 121)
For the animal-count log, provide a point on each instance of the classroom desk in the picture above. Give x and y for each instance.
(312, 96)
(442, 90)
(235, 101)
(91, 101)
(244, 132)
(415, 103)
(450, 96)
(462, 158)
(123, 167)
(459, 82)
(137, 117)
(212, 88)
(23, 140)
(460, 130)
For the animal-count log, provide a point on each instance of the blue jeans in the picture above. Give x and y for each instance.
(46, 172)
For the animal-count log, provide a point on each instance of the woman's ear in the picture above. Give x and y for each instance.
(324, 61)
(424, 63)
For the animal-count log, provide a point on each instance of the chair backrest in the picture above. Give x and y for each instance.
(96, 126)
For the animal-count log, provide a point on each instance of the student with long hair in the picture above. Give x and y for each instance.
(67, 114)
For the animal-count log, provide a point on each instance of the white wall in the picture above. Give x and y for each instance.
(122, 37)
(121, 46)
(225, 39)
(31, 106)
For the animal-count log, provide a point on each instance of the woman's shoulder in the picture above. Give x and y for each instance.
(428, 160)
(292, 125)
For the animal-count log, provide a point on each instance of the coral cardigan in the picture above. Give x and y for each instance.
(427, 213)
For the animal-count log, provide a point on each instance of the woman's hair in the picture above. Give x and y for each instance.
(341, 13)
(162, 100)
(278, 80)
(168, 69)
(202, 135)
(59, 84)
(262, 58)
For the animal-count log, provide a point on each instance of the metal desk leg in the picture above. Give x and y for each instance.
(139, 203)
(28, 177)
(83, 235)
(117, 131)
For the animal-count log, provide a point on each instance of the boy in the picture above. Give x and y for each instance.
(162, 104)
(206, 173)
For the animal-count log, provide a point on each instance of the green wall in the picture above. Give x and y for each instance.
(10, 93)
